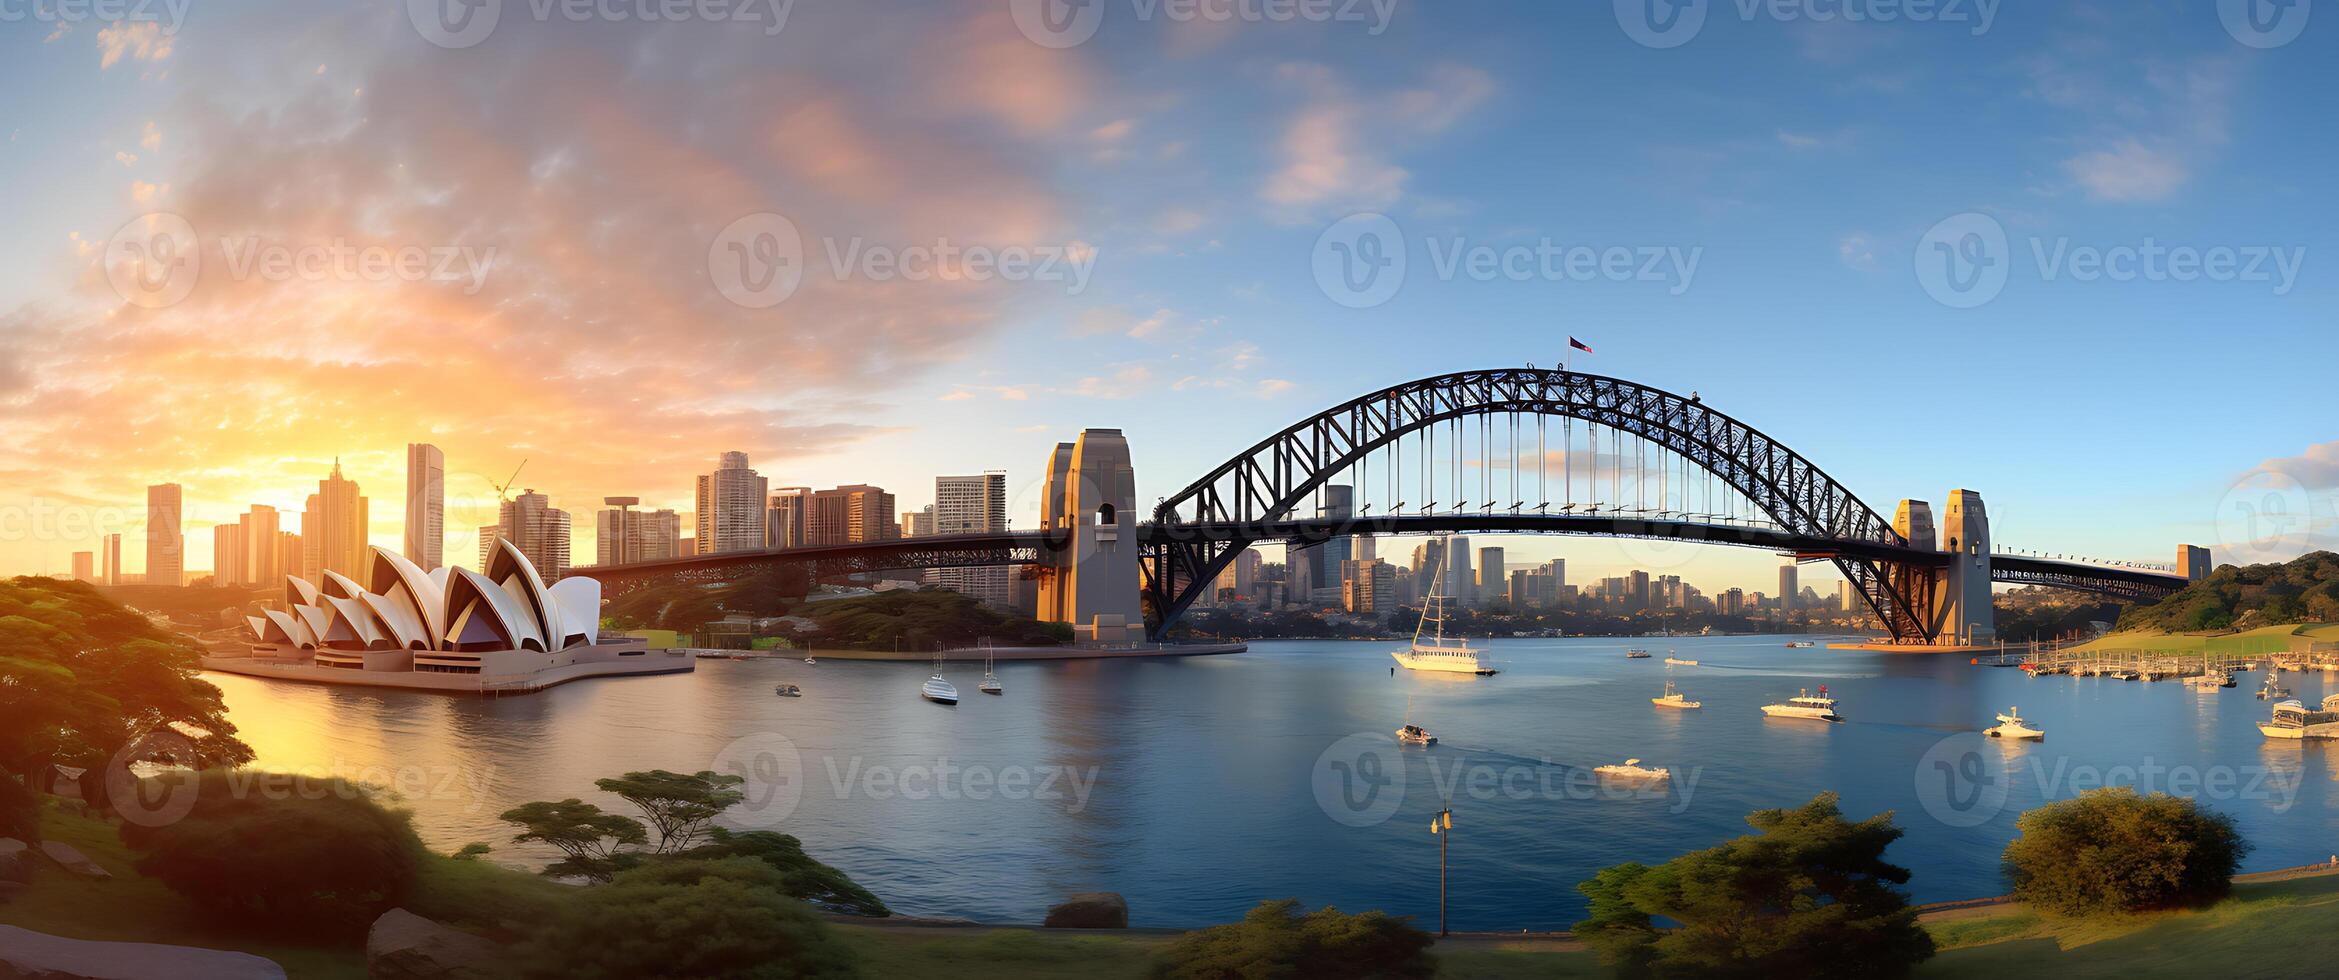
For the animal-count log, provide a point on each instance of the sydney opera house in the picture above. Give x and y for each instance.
(447, 629)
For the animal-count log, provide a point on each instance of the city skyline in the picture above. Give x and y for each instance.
(1199, 328)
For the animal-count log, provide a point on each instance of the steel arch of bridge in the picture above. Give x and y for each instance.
(1266, 483)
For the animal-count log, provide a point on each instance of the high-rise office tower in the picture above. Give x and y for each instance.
(973, 505)
(85, 566)
(648, 535)
(540, 530)
(258, 531)
(1787, 590)
(784, 519)
(1324, 561)
(1455, 575)
(426, 505)
(918, 523)
(333, 530)
(1493, 584)
(850, 515)
(114, 559)
(731, 505)
(166, 547)
(227, 556)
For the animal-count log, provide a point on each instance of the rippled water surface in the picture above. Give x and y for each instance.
(1197, 787)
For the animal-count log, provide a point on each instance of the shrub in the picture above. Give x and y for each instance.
(689, 918)
(1808, 896)
(312, 858)
(2110, 850)
(1274, 940)
(20, 809)
(805, 878)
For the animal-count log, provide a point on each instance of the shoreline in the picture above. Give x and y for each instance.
(496, 685)
(976, 654)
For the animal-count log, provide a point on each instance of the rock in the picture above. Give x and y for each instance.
(73, 860)
(15, 860)
(405, 946)
(25, 953)
(1090, 910)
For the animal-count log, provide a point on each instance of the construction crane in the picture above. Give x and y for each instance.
(503, 491)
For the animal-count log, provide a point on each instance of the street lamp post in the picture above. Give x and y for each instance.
(1441, 825)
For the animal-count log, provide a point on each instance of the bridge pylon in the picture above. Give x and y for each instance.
(1090, 499)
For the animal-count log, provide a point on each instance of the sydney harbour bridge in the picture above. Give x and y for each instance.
(1503, 451)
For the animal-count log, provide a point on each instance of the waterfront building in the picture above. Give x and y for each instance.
(166, 546)
(426, 505)
(974, 504)
(85, 566)
(333, 528)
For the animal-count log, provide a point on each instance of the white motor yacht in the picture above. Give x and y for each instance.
(1636, 653)
(1804, 704)
(1631, 769)
(1416, 735)
(938, 691)
(2292, 719)
(2011, 725)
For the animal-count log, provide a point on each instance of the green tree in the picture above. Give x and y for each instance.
(689, 918)
(677, 806)
(1275, 941)
(2110, 850)
(1808, 895)
(259, 852)
(593, 840)
(805, 878)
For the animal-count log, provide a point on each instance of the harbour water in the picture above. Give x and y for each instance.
(1198, 786)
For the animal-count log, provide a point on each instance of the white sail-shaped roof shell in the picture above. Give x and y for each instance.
(579, 602)
(480, 611)
(352, 624)
(404, 584)
(508, 568)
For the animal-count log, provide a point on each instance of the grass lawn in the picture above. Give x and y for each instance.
(2264, 640)
(2276, 929)
(1001, 954)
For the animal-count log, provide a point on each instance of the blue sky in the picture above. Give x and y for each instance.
(1803, 162)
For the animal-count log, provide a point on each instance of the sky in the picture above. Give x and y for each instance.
(2077, 257)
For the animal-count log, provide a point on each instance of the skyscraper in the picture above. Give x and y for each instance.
(850, 515)
(973, 505)
(731, 505)
(784, 518)
(918, 523)
(1324, 561)
(333, 529)
(258, 531)
(1460, 583)
(426, 505)
(166, 548)
(114, 559)
(540, 530)
(85, 566)
(1788, 593)
(228, 556)
(648, 535)
(1493, 584)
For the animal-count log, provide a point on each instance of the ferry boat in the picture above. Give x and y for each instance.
(1674, 699)
(1804, 704)
(2293, 720)
(1631, 769)
(1800, 644)
(1678, 662)
(2011, 725)
(1636, 654)
(1439, 654)
(1416, 735)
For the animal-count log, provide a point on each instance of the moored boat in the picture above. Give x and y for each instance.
(1674, 699)
(1636, 653)
(1438, 654)
(1416, 735)
(1631, 769)
(2294, 720)
(1817, 707)
(2011, 725)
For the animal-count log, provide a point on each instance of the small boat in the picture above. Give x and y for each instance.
(2273, 688)
(809, 660)
(990, 684)
(2011, 725)
(1631, 769)
(2205, 683)
(1416, 735)
(1804, 704)
(788, 691)
(1678, 662)
(938, 691)
(2293, 720)
(1800, 644)
(1636, 654)
(1674, 699)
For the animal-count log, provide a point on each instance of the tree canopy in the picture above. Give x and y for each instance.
(2111, 850)
(82, 679)
(2303, 590)
(1808, 895)
(1275, 940)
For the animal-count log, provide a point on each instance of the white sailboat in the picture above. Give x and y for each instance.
(1439, 654)
(990, 684)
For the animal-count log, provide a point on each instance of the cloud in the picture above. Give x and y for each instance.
(150, 139)
(1857, 250)
(2316, 469)
(125, 158)
(2127, 172)
(1334, 149)
(1271, 387)
(138, 40)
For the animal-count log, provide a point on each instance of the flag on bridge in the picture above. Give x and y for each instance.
(1579, 345)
